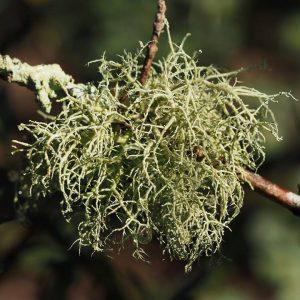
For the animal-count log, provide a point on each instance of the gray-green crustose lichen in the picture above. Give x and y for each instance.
(44, 80)
(125, 154)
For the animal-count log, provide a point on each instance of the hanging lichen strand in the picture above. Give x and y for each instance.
(161, 160)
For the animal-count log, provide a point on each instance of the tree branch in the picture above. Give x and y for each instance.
(273, 191)
(46, 81)
(152, 49)
(264, 187)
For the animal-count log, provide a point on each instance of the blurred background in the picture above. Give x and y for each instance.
(259, 258)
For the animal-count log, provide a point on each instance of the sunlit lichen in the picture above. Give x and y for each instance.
(44, 80)
(126, 156)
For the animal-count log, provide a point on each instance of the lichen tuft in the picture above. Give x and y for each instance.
(160, 160)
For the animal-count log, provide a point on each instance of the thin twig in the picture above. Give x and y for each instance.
(264, 187)
(152, 49)
(273, 191)
(46, 81)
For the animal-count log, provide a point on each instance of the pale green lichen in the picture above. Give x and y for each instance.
(123, 155)
(44, 80)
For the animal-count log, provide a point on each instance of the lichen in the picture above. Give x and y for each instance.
(126, 156)
(44, 80)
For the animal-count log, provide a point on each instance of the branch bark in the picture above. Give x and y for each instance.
(264, 187)
(152, 49)
(273, 191)
(46, 81)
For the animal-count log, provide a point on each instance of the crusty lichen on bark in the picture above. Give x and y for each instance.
(46, 81)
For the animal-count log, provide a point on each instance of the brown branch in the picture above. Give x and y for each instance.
(263, 186)
(46, 81)
(152, 49)
(273, 191)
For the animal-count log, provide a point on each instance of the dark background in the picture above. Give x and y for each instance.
(260, 257)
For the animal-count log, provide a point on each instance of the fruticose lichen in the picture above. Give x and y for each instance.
(162, 160)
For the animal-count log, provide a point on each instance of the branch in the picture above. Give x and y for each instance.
(46, 81)
(273, 191)
(152, 49)
(265, 187)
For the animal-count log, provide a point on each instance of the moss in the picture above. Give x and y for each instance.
(123, 155)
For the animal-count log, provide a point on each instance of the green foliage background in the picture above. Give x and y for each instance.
(259, 259)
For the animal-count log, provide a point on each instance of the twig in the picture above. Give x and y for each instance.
(46, 81)
(265, 187)
(152, 49)
(273, 191)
